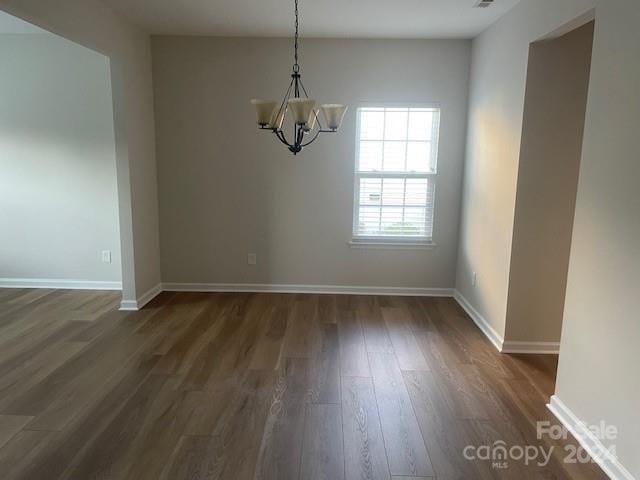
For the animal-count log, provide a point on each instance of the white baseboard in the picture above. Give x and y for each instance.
(142, 300)
(137, 304)
(504, 346)
(546, 348)
(331, 289)
(493, 336)
(593, 446)
(59, 283)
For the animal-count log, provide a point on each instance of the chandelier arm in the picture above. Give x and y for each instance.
(284, 100)
(303, 89)
(315, 112)
(295, 133)
(313, 139)
(282, 138)
(296, 136)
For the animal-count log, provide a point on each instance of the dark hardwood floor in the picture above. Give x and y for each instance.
(262, 386)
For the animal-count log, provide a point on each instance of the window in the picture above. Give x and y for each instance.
(395, 179)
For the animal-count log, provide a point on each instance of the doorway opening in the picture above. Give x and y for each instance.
(551, 148)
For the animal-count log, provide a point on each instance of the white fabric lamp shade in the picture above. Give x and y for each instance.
(301, 108)
(264, 110)
(334, 113)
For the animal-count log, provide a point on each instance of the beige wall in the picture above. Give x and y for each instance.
(227, 189)
(58, 191)
(91, 24)
(496, 107)
(600, 351)
(554, 111)
(597, 376)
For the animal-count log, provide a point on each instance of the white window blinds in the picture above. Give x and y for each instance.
(396, 169)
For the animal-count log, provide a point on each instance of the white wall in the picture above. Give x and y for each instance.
(58, 191)
(554, 113)
(496, 107)
(227, 189)
(91, 24)
(600, 351)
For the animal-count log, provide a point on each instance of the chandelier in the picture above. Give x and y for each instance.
(305, 116)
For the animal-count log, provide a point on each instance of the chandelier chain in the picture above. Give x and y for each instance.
(296, 67)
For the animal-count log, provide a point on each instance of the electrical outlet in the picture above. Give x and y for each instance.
(106, 256)
(474, 279)
(252, 259)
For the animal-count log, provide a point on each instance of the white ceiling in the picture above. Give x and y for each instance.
(11, 24)
(319, 18)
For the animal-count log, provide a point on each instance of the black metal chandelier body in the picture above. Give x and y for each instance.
(307, 126)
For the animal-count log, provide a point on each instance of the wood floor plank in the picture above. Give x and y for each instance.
(214, 402)
(242, 346)
(10, 425)
(159, 431)
(21, 325)
(325, 367)
(302, 331)
(95, 307)
(353, 353)
(104, 456)
(234, 434)
(268, 350)
(468, 394)
(376, 336)
(187, 307)
(406, 451)
(443, 433)
(364, 452)
(281, 448)
(79, 436)
(322, 454)
(20, 381)
(188, 461)
(327, 309)
(25, 296)
(77, 385)
(12, 310)
(22, 353)
(438, 354)
(54, 401)
(18, 454)
(447, 333)
(109, 322)
(219, 353)
(404, 342)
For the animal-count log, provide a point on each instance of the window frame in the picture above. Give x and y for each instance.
(386, 241)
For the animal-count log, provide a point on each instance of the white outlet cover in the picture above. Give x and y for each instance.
(106, 256)
(252, 258)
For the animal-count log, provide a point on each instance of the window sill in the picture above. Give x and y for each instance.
(392, 245)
